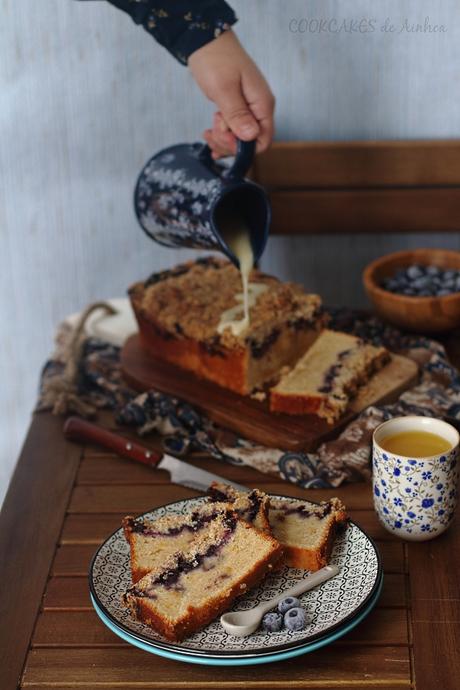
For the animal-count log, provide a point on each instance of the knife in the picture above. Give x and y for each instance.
(78, 429)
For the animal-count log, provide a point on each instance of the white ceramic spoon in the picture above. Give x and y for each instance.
(242, 623)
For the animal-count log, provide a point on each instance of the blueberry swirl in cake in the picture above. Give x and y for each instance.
(152, 542)
(327, 376)
(192, 586)
(305, 530)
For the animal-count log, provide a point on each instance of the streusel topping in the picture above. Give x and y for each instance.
(188, 301)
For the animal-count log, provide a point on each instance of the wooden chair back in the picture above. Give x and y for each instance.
(362, 187)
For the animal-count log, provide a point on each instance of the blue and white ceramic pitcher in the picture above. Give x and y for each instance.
(182, 193)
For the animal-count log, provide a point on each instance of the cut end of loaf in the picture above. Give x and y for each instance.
(307, 530)
(328, 375)
(179, 311)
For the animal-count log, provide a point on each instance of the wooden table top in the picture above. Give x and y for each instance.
(65, 499)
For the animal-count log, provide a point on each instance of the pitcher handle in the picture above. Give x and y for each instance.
(244, 157)
(245, 151)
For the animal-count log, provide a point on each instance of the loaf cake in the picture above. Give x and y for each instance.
(191, 587)
(151, 542)
(305, 530)
(179, 312)
(252, 506)
(327, 376)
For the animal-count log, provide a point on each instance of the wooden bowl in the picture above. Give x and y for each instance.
(420, 314)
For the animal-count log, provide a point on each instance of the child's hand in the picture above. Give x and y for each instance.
(228, 77)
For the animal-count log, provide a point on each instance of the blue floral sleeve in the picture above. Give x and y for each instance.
(181, 26)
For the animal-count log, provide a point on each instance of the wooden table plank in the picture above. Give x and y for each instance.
(30, 523)
(428, 580)
(84, 629)
(216, 684)
(70, 593)
(74, 559)
(126, 667)
(436, 654)
(109, 469)
(434, 568)
(129, 499)
(141, 497)
(437, 611)
(89, 528)
(93, 528)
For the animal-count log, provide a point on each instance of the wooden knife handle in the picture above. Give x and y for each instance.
(77, 429)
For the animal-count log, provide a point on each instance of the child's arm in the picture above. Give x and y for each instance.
(228, 77)
(198, 33)
(181, 26)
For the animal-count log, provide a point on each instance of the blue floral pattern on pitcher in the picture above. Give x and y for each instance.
(415, 497)
(171, 205)
(179, 189)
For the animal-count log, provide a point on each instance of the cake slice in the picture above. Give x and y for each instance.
(327, 376)
(306, 530)
(252, 506)
(151, 542)
(180, 311)
(192, 587)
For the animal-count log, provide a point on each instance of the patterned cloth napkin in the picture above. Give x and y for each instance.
(183, 429)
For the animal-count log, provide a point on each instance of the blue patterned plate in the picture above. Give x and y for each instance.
(332, 609)
(242, 660)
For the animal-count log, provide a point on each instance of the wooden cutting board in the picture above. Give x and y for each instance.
(250, 418)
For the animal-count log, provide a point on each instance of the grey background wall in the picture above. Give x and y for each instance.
(86, 97)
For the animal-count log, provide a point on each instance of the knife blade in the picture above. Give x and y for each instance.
(191, 476)
(180, 472)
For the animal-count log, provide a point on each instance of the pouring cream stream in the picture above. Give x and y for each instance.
(237, 236)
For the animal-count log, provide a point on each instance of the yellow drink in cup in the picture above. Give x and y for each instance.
(415, 491)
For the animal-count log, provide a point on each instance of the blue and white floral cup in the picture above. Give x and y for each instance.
(415, 498)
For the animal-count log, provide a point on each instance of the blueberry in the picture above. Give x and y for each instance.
(443, 293)
(400, 275)
(272, 622)
(401, 279)
(288, 603)
(421, 283)
(433, 270)
(295, 619)
(414, 271)
(449, 275)
(390, 284)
